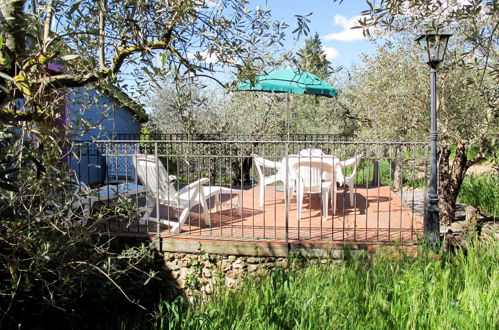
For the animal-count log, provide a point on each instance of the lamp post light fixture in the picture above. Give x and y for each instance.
(433, 46)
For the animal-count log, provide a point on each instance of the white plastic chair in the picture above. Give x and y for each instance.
(84, 198)
(262, 163)
(160, 188)
(348, 180)
(311, 152)
(308, 175)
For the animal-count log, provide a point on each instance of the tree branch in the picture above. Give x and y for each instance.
(123, 53)
(117, 286)
(13, 31)
(182, 60)
(102, 54)
(78, 80)
(213, 78)
(12, 115)
(71, 80)
(46, 25)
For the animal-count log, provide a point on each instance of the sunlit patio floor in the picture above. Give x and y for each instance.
(377, 216)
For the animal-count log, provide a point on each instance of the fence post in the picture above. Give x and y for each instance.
(158, 231)
(375, 172)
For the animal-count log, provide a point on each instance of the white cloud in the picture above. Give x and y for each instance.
(207, 4)
(348, 34)
(331, 53)
(213, 58)
(208, 58)
(212, 3)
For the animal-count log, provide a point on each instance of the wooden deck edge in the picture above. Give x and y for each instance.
(269, 249)
(307, 249)
(335, 250)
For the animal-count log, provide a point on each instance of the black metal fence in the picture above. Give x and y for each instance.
(231, 137)
(384, 203)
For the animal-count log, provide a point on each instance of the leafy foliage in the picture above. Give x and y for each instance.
(190, 107)
(97, 40)
(467, 93)
(52, 259)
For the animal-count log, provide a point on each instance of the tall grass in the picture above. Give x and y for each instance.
(366, 173)
(386, 174)
(482, 192)
(459, 292)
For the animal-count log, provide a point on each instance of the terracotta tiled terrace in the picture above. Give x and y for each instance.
(379, 216)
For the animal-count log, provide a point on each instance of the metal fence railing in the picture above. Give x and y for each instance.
(232, 137)
(382, 204)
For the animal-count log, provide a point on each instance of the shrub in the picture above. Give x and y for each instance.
(481, 191)
(55, 270)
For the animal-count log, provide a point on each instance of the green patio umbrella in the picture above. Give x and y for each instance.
(289, 81)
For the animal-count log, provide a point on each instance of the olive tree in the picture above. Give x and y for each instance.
(99, 39)
(467, 87)
(49, 261)
(186, 107)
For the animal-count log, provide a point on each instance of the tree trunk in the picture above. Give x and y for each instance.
(396, 166)
(451, 175)
(14, 30)
(242, 169)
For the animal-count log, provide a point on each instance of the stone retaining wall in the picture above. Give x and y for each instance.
(203, 272)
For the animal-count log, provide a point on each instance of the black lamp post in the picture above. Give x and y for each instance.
(433, 46)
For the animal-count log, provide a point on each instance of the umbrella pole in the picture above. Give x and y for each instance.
(286, 185)
(288, 101)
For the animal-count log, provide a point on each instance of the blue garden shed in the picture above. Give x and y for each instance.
(100, 113)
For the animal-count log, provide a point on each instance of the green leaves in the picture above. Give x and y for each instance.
(312, 58)
(481, 192)
(133, 34)
(5, 76)
(302, 25)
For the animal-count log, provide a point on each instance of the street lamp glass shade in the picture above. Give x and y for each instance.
(433, 46)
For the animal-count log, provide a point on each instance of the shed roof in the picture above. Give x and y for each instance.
(124, 100)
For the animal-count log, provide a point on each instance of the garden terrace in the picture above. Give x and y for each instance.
(383, 206)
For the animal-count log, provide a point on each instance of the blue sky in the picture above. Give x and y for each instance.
(333, 22)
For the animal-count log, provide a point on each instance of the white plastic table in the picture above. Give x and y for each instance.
(291, 160)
